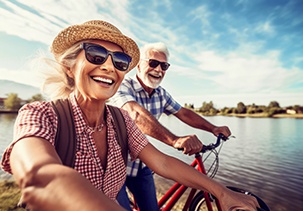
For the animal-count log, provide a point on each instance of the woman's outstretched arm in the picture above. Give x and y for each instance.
(172, 168)
(46, 184)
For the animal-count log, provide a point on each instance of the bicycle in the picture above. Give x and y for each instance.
(201, 200)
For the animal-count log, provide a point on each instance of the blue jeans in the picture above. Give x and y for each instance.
(143, 188)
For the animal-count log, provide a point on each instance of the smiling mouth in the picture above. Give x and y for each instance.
(103, 80)
(155, 76)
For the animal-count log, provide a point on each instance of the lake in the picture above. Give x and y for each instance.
(264, 158)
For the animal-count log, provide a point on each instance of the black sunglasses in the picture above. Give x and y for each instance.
(154, 63)
(97, 54)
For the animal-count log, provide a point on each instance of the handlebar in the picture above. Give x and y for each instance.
(212, 146)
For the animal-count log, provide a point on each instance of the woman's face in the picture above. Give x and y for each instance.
(97, 82)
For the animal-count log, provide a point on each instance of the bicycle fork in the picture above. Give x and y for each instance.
(198, 162)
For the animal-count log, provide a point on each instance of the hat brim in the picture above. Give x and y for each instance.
(73, 34)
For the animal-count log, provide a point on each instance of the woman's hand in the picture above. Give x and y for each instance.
(235, 201)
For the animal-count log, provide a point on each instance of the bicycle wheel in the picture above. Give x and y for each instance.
(198, 203)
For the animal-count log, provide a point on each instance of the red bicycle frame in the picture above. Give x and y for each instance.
(172, 196)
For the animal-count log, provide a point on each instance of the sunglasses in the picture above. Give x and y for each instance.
(154, 63)
(97, 54)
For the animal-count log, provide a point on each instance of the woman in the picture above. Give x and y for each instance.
(91, 62)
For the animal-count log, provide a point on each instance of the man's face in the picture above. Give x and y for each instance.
(151, 77)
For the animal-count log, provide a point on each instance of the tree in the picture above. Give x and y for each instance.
(273, 104)
(241, 108)
(37, 97)
(206, 106)
(12, 102)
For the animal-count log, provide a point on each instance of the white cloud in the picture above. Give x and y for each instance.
(47, 18)
(202, 14)
(24, 76)
(265, 27)
(244, 67)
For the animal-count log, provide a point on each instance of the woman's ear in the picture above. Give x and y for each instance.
(138, 66)
(69, 72)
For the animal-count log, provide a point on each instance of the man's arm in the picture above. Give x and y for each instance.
(195, 120)
(149, 125)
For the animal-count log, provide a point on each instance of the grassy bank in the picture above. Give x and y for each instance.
(10, 194)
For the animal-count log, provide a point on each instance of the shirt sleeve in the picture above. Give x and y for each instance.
(124, 94)
(171, 106)
(136, 139)
(34, 119)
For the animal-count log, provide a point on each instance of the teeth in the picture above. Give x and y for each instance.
(105, 80)
(155, 76)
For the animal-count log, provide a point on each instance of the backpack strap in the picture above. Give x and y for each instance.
(65, 140)
(66, 131)
(120, 126)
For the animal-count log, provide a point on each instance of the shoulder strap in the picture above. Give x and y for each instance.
(120, 126)
(65, 140)
(66, 131)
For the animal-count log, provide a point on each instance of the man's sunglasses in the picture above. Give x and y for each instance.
(154, 63)
(97, 54)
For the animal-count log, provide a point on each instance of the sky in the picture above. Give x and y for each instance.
(224, 51)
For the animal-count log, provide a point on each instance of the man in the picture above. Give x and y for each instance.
(145, 100)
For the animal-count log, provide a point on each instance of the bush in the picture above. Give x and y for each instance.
(275, 110)
(9, 196)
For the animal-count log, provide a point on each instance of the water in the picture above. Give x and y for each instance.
(264, 158)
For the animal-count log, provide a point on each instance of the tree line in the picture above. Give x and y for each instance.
(273, 108)
(14, 102)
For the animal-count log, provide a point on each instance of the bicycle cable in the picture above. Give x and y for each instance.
(214, 166)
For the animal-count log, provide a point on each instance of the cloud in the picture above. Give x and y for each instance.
(241, 71)
(24, 76)
(265, 27)
(42, 20)
(214, 49)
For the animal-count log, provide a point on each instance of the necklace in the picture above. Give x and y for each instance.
(97, 128)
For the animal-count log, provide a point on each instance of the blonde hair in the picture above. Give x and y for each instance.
(55, 82)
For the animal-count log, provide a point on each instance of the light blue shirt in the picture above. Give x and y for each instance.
(159, 102)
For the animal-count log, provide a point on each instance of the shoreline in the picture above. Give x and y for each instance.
(258, 115)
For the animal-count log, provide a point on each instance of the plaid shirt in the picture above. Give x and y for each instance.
(158, 103)
(39, 119)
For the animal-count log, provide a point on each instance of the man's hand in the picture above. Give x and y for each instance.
(223, 129)
(190, 144)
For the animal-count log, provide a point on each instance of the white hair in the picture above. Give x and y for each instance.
(159, 47)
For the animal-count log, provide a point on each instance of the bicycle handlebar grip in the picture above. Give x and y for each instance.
(213, 146)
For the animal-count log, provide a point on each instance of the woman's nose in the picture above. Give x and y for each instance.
(108, 64)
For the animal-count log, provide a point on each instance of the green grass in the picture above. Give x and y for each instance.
(9, 196)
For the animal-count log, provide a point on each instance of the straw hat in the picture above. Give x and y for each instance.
(95, 29)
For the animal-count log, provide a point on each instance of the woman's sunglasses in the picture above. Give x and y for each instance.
(97, 54)
(154, 63)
